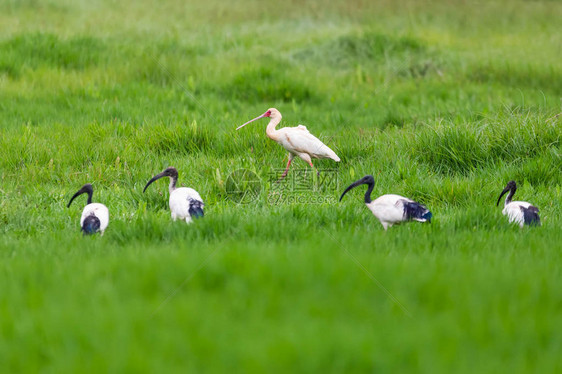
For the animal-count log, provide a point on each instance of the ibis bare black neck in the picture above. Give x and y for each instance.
(173, 181)
(370, 185)
(510, 195)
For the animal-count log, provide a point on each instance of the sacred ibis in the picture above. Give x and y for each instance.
(298, 141)
(520, 212)
(391, 209)
(185, 203)
(95, 216)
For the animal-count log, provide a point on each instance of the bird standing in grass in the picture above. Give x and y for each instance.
(298, 141)
(185, 203)
(95, 216)
(520, 212)
(391, 209)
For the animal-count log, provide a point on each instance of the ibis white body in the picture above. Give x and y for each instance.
(95, 216)
(185, 203)
(99, 211)
(519, 212)
(391, 209)
(514, 212)
(181, 202)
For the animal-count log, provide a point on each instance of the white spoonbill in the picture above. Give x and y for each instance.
(298, 141)
(185, 203)
(95, 216)
(391, 209)
(520, 212)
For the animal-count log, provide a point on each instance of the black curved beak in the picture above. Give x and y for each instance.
(352, 186)
(87, 188)
(154, 178)
(505, 190)
(75, 196)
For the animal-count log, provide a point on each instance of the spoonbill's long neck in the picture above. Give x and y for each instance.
(270, 131)
(172, 186)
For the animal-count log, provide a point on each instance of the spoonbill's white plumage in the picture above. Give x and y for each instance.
(298, 141)
(95, 216)
(391, 209)
(185, 203)
(520, 212)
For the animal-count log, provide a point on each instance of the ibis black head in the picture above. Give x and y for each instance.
(368, 180)
(169, 172)
(87, 188)
(511, 186)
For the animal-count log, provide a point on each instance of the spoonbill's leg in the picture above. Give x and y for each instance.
(287, 168)
(306, 158)
(313, 168)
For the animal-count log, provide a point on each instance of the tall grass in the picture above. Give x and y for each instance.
(440, 102)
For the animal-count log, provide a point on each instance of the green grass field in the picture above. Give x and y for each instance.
(442, 103)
